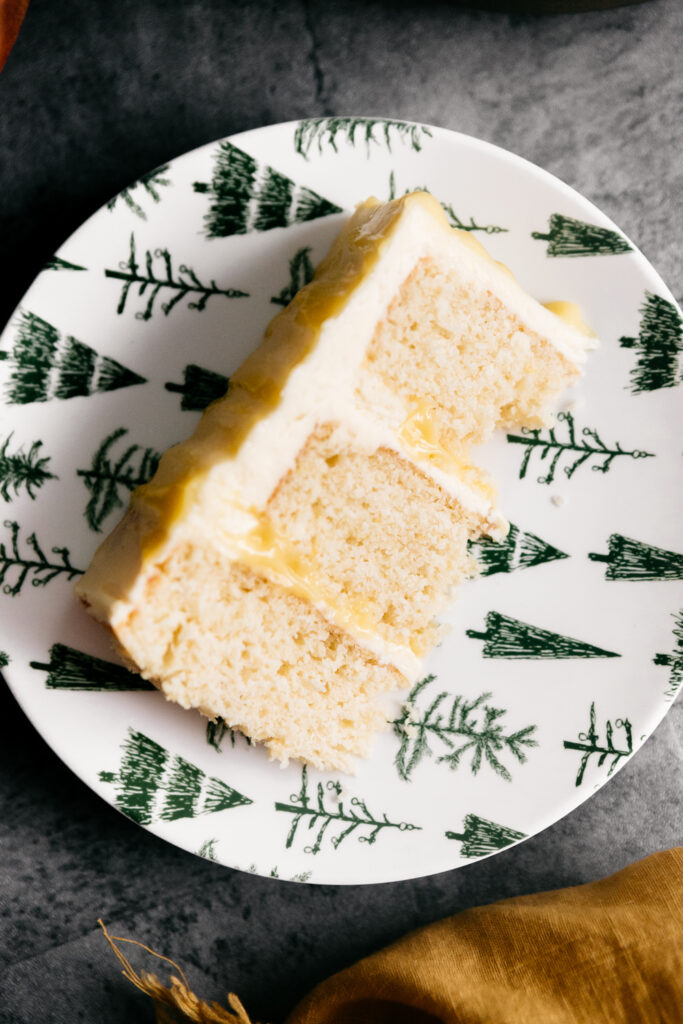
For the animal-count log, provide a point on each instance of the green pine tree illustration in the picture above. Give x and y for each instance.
(630, 559)
(139, 777)
(480, 836)
(317, 818)
(273, 873)
(185, 284)
(34, 564)
(106, 475)
(518, 550)
(154, 785)
(569, 237)
(471, 225)
(455, 221)
(22, 469)
(183, 787)
(57, 263)
(200, 387)
(208, 849)
(69, 669)
(589, 743)
(47, 364)
(147, 185)
(459, 725)
(674, 661)
(506, 637)
(216, 732)
(300, 876)
(579, 451)
(4, 659)
(658, 346)
(327, 131)
(300, 273)
(248, 196)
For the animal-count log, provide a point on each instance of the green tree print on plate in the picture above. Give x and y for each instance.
(314, 816)
(4, 659)
(146, 186)
(248, 196)
(455, 221)
(458, 726)
(70, 669)
(519, 550)
(199, 388)
(579, 451)
(47, 365)
(216, 732)
(108, 474)
(589, 743)
(471, 225)
(658, 346)
(300, 876)
(479, 836)
(630, 559)
(506, 637)
(569, 237)
(57, 263)
(318, 132)
(185, 284)
(300, 273)
(208, 849)
(674, 661)
(33, 564)
(273, 873)
(22, 469)
(154, 785)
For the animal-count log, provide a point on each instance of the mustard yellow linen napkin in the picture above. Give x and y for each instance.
(610, 952)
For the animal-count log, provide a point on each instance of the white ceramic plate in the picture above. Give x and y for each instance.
(563, 656)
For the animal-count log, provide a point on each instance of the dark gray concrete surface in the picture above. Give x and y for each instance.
(93, 95)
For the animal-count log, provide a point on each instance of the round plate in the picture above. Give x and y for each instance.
(563, 656)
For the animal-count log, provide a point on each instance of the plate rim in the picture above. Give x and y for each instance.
(657, 712)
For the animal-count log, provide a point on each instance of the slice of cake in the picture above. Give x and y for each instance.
(287, 565)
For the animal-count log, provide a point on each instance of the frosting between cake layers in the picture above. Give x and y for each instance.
(304, 374)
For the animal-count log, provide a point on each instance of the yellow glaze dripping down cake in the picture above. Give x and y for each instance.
(287, 564)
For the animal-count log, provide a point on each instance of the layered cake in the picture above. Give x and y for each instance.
(287, 564)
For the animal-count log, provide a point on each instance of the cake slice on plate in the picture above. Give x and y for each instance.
(287, 564)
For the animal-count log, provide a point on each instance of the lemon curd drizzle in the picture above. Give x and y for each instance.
(264, 550)
(420, 436)
(571, 314)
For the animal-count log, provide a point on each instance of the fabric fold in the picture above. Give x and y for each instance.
(609, 951)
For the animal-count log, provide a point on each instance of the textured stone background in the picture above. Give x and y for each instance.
(95, 94)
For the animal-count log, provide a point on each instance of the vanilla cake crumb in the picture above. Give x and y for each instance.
(288, 565)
